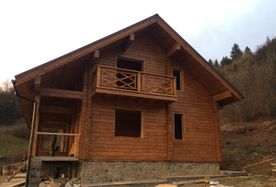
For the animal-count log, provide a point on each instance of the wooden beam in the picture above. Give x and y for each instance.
(53, 92)
(57, 134)
(222, 96)
(96, 54)
(130, 40)
(36, 125)
(56, 109)
(176, 47)
(37, 84)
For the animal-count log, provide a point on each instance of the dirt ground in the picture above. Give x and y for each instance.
(241, 148)
(246, 181)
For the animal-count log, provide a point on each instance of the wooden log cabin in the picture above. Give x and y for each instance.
(138, 104)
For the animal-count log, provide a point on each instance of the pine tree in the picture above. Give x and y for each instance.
(225, 61)
(247, 50)
(210, 62)
(235, 52)
(216, 64)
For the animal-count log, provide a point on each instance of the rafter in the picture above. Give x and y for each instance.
(37, 84)
(130, 40)
(176, 47)
(222, 96)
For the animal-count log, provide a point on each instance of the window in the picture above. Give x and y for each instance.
(131, 64)
(176, 74)
(128, 123)
(178, 127)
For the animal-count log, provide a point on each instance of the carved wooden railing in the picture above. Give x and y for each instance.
(117, 78)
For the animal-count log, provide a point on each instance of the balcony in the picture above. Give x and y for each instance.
(125, 82)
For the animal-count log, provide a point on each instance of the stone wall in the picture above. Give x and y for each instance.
(116, 171)
(34, 172)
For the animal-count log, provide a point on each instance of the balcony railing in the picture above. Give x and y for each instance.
(140, 84)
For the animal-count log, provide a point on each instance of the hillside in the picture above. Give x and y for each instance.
(241, 148)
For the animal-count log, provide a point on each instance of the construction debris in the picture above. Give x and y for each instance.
(51, 182)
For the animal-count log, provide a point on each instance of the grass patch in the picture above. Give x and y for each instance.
(11, 146)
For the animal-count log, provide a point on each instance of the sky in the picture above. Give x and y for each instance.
(34, 32)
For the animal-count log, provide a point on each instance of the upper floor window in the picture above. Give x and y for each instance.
(177, 75)
(131, 64)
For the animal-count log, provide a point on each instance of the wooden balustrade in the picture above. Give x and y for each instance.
(68, 143)
(118, 79)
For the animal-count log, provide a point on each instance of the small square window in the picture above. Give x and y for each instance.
(128, 123)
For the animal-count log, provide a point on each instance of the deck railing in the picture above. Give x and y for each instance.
(137, 81)
(66, 142)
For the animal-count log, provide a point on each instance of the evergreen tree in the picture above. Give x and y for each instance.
(210, 62)
(216, 64)
(247, 50)
(225, 61)
(235, 52)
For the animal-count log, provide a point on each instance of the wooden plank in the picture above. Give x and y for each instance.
(57, 133)
(36, 125)
(60, 93)
(56, 109)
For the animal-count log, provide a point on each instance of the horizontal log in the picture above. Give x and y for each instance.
(57, 134)
(53, 92)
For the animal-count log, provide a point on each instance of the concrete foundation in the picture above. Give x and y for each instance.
(98, 172)
(115, 171)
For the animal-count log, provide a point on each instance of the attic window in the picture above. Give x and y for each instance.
(128, 123)
(176, 74)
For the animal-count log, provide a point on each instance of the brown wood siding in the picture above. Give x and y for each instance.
(104, 145)
(197, 106)
(194, 102)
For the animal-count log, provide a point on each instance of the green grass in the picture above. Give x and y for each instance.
(11, 145)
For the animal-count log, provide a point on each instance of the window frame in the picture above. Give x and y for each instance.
(130, 59)
(180, 78)
(182, 126)
(141, 125)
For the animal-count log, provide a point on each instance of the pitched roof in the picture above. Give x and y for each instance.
(90, 48)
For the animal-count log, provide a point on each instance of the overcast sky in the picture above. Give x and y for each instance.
(34, 32)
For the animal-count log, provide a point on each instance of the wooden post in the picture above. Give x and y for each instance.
(139, 81)
(98, 77)
(36, 125)
(169, 133)
(217, 132)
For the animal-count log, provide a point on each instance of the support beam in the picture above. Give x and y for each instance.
(53, 92)
(96, 54)
(222, 96)
(56, 109)
(176, 47)
(37, 84)
(130, 40)
(36, 126)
